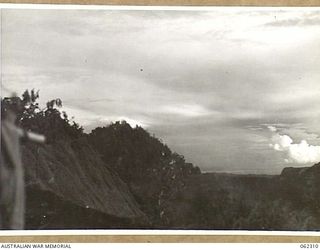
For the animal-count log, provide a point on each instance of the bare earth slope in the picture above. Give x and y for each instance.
(73, 172)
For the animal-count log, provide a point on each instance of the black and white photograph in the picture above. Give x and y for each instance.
(193, 118)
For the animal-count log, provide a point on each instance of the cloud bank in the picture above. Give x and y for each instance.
(203, 81)
(301, 153)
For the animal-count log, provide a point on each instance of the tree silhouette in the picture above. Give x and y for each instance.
(49, 121)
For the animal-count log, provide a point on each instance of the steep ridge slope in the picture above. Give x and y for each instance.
(73, 172)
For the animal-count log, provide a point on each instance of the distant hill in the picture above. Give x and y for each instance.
(301, 186)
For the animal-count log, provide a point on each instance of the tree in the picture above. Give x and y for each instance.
(49, 121)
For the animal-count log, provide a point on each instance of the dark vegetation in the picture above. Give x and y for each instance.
(55, 125)
(253, 202)
(122, 177)
(148, 166)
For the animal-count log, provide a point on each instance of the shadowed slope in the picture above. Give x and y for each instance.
(73, 171)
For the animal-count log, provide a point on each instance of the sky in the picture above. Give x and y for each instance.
(232, 89)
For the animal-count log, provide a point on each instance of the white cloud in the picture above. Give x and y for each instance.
(301, 153)
(189, 110)
(87, 118)
(272, 128)
(282, 142)
(304, 153)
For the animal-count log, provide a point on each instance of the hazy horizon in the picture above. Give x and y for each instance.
(231, 89)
